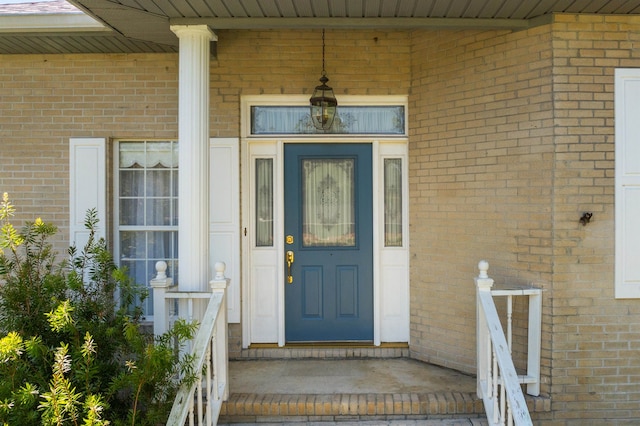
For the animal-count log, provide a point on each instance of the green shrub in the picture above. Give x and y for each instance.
(71, 353)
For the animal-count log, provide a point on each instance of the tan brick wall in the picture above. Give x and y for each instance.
(481, 175)
(512, 140)
(596, 339)
(48, 99)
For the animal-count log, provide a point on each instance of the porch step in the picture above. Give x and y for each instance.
(301, 351)
(313, 385)
(444, 409)
(300, 384)
(264, 408)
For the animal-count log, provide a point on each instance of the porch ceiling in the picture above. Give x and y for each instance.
(143, 25)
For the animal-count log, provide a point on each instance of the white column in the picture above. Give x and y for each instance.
(193, 138)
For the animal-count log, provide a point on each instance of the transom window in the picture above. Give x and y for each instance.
(350, 120)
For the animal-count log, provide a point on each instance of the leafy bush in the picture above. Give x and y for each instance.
(71, 353)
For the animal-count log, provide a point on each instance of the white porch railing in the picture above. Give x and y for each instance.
(498, 384)
(198, 403)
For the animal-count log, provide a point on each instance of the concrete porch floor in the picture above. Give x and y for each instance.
(363, 391)
(340, 376)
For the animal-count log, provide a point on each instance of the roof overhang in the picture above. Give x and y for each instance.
(124, 26)
(50, 23)
(360, 23)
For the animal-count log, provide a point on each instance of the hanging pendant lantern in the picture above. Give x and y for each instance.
(323, 102)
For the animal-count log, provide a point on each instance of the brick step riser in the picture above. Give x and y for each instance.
(295, 408)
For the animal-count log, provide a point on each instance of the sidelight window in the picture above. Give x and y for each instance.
(264, 202)
(393, 202)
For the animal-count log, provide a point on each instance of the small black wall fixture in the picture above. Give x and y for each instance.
(323, 102)
(586, 218)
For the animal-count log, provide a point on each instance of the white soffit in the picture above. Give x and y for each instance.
(60, 22)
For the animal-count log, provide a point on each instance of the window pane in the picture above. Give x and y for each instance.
(132, 183)
(162, 244)
(161, 154)
(137, 271)
(131, 211)
(174, 178)
(158, 183)
(132, 154)
(132, 244)
(174, 215)
(393, 202)
(328, 202)
(140, 274)
(264, 202)
(158, 212)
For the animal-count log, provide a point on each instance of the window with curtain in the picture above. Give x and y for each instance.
(147, 196)
(393, 202)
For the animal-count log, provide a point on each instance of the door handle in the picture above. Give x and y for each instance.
(289, 258)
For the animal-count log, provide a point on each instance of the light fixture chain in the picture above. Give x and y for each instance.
(324, 72)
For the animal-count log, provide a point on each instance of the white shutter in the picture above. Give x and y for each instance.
(87, 187)
(627, 187)
(224, 216)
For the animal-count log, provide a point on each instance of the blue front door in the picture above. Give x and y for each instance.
(328, 231)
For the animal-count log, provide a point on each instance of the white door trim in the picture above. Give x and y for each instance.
(263, 268)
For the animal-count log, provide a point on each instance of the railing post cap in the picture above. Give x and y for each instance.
(483, 266)
(161, 269)
(161, 280)
(219, 281)
(219, 268)
(483, 282)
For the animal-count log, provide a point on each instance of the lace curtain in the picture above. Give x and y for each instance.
(328, 202)
(148, 154)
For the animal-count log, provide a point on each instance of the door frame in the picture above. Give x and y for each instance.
(390, 265)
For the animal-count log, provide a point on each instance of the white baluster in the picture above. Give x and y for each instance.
(509, 322)
(199, 396)
(214, 361)
(208, 366)
(489, 368)
(191, 414)
(503, 403)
